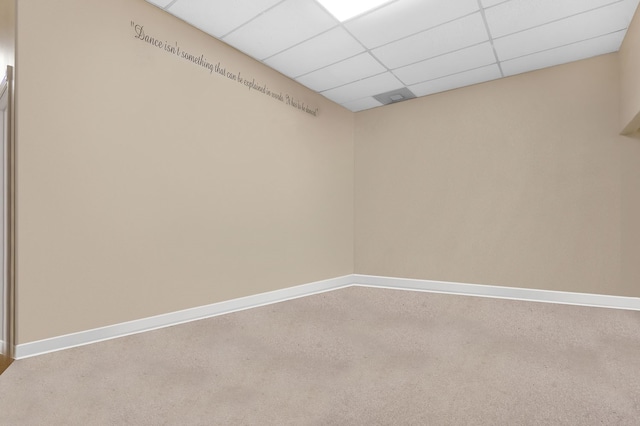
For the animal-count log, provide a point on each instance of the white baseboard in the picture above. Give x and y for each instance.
(531, 295)
(67, 341)
(40, 347)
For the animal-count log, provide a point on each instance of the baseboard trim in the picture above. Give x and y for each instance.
(81, 338)
(526, 294)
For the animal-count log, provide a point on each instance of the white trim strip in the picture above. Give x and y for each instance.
(499, 292)
(67, 341)
(95, 335)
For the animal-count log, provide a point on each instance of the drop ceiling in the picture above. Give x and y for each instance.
(418, 47)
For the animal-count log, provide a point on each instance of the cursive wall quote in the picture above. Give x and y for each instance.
(219, 69)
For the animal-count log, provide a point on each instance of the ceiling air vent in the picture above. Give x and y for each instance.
(394, 96)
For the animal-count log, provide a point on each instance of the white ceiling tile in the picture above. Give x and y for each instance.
(363, 88)
(466, 78)
(281, 27)
(561, 55)
(518, 15)
(445, 38)
(406, 17)
(218, 17)
(489, 3)
(362, 104)
(325, 49)
(160, 3)
(451, 63)
(431, 45)
(347, 71)
(587, 25)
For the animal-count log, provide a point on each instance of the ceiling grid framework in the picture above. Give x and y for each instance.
(484, 20)
(418, 47)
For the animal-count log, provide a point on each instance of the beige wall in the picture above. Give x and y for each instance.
(147, 185)
(7, 34)
(630, 170)
(629, 56)
(515, 182)
(630, 78)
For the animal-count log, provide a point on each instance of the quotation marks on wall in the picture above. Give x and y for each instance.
(301, 106)
(217, 68)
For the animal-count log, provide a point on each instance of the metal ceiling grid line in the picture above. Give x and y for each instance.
(452, 74)
(440, 55)
(558, 19)
(392, 44)
(391, 70)
(365, 47)
(329, 65)
(425, 30)
(497, 4)
(171, 3)
(563, 45)
(252, 19)
(355, 81)
(301, 42)
(340, 25)
(493, 47)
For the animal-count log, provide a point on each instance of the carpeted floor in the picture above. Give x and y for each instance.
(355, 356)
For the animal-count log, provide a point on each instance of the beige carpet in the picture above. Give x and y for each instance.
(355, 356)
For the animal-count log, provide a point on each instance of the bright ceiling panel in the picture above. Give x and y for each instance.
(451, 63)
(325, 49)
(283, 26)
(518, 15)
(561, 55)
(347, 71)
(347, 9)
(442, 39)
(363, 88)
(580, 27)
(406, 17)
(218, 17)
(466, 78)
(425, 45)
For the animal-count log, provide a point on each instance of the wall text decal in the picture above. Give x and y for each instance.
(219, 69)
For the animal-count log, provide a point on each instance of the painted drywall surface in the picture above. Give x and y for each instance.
(148, 184)
(630, 77)
(7, 34)
(631, 213)
(629, 56)
(515, 182)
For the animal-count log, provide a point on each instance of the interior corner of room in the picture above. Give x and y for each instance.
(145, 185)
